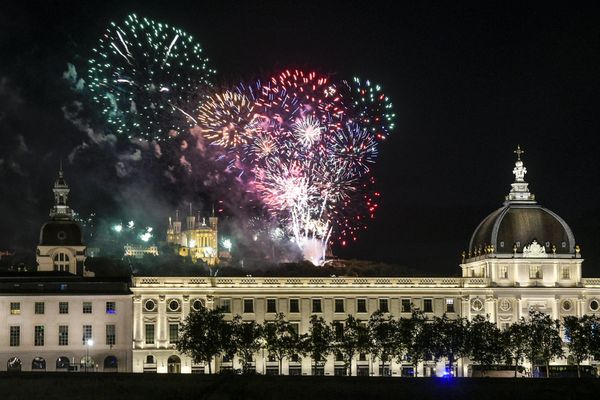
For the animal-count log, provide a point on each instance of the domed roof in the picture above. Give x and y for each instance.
(521, 224)
(521, 221)
(61, 229)
(61, 233)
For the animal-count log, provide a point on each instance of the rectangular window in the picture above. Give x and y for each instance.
(87, 307)
(503, 272)
(111, 335)
(15, 308)
(271, 305)
(535, 272)
(87, 333)
(338, 328)
(427, 305)
(384, 305)
(149, 333)
(564, 272)
(63, 307)
(405, 305)
(294, 305)
(339, 305)
(173, 333)
(226, 305)
(38, 335)
(295, 327)
(450, 305)
(248, 305)
(63, 335)
(15, 336)
(39, 307)
(361, 305)
(316, 306)
(111, 307)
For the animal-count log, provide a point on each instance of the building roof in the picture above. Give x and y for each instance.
(520, 222)
(51, 283)
(61, 233)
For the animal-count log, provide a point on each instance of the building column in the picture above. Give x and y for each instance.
(161, 322)
(466, 308)
(490, 308)
(138, 326)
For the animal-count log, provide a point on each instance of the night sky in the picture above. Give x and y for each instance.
(468, 84)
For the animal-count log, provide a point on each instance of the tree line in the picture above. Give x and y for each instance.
(205, 335)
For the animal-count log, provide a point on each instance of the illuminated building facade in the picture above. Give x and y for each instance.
(140, 251)
(62, 318)
(521, 257)
(198, 240)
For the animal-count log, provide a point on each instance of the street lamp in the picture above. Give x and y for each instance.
(88, 344)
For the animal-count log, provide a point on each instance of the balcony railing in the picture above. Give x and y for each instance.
(332, 282)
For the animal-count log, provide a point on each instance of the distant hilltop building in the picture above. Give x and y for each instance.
(140, 251)
(199, 240)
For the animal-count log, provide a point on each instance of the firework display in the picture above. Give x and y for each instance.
(146, 77)
(303, 143)
(227, 118)
(311, 158)
(372, 109)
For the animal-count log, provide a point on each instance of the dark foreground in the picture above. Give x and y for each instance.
(62, 386)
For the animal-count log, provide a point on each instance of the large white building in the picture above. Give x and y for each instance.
(521, 257)
(62, 318)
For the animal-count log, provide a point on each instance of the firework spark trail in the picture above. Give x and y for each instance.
(308, 145)
(227, 118)
(146, 77)
(372, 109)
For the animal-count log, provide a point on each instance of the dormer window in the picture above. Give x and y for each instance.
(61, 262)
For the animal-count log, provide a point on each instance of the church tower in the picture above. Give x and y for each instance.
(61, 247)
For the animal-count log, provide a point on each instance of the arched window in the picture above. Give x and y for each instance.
(61, 262)
(13, 364)
(150, 359)
(174, 365)
(38, 363)
(62, 363)
(111, 362)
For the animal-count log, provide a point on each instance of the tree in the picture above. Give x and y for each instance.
(543, 339)
(246, 340)
(382, 332)
(319, 341)
(355, 339)
(414, 338)
(579, 334)
(484, 341)
(204, 335)
(514, 343)
(449, 339)
(281, 339)
(595, 338)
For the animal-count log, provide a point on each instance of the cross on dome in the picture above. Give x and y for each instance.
(518, 152)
